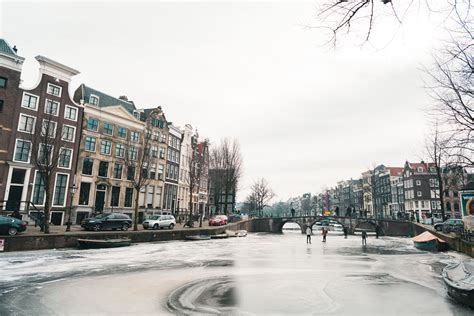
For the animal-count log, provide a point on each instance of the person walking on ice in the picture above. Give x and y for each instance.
(364, 238)
(308, 235)
(325, 232)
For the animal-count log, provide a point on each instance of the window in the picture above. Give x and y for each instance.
(29, 101)
(419, 169)
(26, 123)
(122, 132)
(103, 168)
(105, 147)
(84, 193)
(134, 136)
(90, 143)
(92, 124)
(163, 138)
(3, 82)
(132, 153)
(45, 154)
(156, 136)
(161, 169)
(1, 106)
(48, 128)
(51, 107)
(38, 189)
(154, 151)
(108, 129)
(94, 100)
(418, 182)
(131, 173)
(22, 150)
(60, 189)
(119, 150)
(158, 196)
(87, 166)
(149, 196)
(136, 114)
(418, 193)
(115, 196)
(54, 90)
(68, 133)
(434, 183)
(118, 171)
(162, 153)
(70, 113)
(432, 169)
(153, 171)
(128, 197)
(65, 156)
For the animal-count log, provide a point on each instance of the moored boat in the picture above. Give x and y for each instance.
(428, 241)
(241, 233)
(459, 280)
(103, 243)
(219, 236)
(197, 237)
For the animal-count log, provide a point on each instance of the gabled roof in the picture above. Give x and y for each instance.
(424, 165)
(84, 92)
(6, 49)
(395, 171)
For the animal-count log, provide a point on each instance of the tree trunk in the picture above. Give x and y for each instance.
(47, 208)
(135, 219)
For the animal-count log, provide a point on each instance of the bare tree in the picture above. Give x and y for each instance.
(137, 161)
(261, 194)
(48, 151)
(226, 170)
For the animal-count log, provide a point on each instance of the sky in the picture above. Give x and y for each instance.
(306, 115)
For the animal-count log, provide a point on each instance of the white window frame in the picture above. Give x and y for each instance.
(65, 193)
(123, 147)
(94, 96)
(33, 190)
(113, 129)
(418, 182)
(58, 109)
(34, 123)
(14, 152)
(73, 134)
(55, 127)
(419, 169)
(56, 86)
(71, 107)
(110, 148)
(52, 151)
(70, 160)
(95, 146)
(31, 95)
(418, 194)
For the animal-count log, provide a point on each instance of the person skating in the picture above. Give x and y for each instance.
(364, 238)
(345, 232)
(308, 235)
(325, 232)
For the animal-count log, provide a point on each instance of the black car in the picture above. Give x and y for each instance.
(107, 221)
(11, 226)
(451, 225)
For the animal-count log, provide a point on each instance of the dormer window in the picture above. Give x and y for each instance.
(54, 90)
(419, 169)
(94, 100)
(136, 114)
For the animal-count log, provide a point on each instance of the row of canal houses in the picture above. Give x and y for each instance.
(411, 191)
(93, 136)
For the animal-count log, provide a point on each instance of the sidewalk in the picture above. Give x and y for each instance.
(53, 229)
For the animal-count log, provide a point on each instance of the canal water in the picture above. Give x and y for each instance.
(262, 274)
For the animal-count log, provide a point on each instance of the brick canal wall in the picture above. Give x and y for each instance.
(69, 240)
(455, 243)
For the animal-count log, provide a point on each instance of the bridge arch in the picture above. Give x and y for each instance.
(291, 220)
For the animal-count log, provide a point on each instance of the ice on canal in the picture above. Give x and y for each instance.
(261, 274)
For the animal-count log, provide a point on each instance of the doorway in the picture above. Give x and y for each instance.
(57, 218)
(16, 189)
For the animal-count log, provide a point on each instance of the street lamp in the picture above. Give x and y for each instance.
(72, 191)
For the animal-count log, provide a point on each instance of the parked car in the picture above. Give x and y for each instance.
(218, 220)
(450, 225)
(107, 221)
(11, 226)
(160, 221)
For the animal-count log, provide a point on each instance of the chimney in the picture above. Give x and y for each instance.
(15, 49)
(123, 97)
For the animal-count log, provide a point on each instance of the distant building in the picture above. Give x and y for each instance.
(170, 202)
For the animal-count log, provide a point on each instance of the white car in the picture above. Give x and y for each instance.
(160, 221)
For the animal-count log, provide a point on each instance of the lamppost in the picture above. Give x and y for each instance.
(72, 191)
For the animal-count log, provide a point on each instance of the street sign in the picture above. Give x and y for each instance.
(2, 244)
(467, 207)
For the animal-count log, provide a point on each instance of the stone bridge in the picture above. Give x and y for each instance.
(386, 226)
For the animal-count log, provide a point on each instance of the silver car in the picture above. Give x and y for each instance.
(159, 221)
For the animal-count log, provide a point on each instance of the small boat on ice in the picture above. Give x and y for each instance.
(428, 241)
(459, 279)
(197, 237)
(103, 243)
(241, 233)
(219, 236)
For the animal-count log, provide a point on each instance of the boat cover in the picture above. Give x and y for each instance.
(460, 275)
(426, 237)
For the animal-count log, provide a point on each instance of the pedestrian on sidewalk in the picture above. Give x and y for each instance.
(325, 232)
(308, 235)
(364, 238)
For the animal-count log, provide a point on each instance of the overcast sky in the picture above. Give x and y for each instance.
(306, 116)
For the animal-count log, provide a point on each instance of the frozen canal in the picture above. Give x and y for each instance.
(260, 274)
